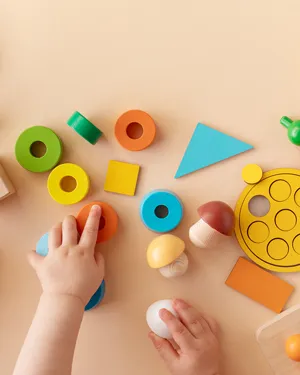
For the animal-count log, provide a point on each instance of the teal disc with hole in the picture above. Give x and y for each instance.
(23, 149)
(84, 128)
(159, 202)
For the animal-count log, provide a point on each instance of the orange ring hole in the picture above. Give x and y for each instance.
(108, 223)
(135, 130)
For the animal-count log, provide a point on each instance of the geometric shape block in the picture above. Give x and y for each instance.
(258, 232)
(292, 347)
(252, 173)
(259, 285)
(55, 186)
(135, 117)
(42, 247)
(24, 153)
(281, 219)
(149, 213)
(285, 220)
(121, 177)
(6, 186)
(280, 190)
(109, 218)
(278, 249)
(84, 128)
(209, 146)
(272, 338)
(97, 297)
(296, 244)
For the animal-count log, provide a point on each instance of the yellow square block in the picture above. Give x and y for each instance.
(121, 177)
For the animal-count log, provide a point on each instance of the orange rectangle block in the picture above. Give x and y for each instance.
(259, 285)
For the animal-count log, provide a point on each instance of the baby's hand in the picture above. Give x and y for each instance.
(71, 268)
(196, 339)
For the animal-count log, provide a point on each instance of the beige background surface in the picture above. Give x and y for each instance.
(230, 64)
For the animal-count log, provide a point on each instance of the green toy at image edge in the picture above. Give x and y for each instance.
(293, 128)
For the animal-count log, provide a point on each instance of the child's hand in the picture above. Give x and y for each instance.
(71, 268)
(196, 338)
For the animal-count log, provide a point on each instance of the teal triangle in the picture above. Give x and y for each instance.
(209, 146)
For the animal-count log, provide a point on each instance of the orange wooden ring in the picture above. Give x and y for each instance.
(110, 220)
(142, 118)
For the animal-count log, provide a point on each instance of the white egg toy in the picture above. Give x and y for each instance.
(154, 321)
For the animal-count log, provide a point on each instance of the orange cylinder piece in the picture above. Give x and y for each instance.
(292, 347)
(135, 117)
(108, 223)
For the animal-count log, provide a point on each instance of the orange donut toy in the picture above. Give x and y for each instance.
(134, 117)
(108, 223)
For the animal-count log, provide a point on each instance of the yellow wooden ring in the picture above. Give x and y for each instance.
(65, 197)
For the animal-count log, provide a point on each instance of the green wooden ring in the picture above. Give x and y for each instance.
(53, 149)
(84, 128)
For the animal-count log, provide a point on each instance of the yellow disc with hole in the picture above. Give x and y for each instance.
(60, 192)
(270, 239)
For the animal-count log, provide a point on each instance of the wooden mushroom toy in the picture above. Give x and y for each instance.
(216, 221)
(166, 253)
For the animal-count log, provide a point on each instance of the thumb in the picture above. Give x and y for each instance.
(100, 262)
(34, 259)
(165, 349)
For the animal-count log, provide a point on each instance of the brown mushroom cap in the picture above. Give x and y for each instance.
(218, 215)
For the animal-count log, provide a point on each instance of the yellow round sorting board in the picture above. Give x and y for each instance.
(272, 240)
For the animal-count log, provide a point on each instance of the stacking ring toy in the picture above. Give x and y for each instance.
(109, 219)
(42, 248)
(155, 200)
(84, 128)
(55, 180)
(97, 297)
(24, 154)
(135, 117)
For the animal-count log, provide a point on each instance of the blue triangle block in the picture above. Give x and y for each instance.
(209, 146)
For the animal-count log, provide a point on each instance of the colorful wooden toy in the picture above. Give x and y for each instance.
(6, 186)
(24, 147)
(271, 239)
(216, 222)
(154, 321)
(132, 118)
(56, 178)
(108, 223)
(209, 146)
(42, 248)
(259, 285)
(157, 202)
(166, 253)
(292, 347)
(84, 128)
(279, 341)
(293, 128)
(121, 178)
(97, 297)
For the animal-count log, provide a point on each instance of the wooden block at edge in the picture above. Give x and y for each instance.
(272, 337)
(259, 285)
(6, 187)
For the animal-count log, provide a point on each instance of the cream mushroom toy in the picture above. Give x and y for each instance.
(166, 253)
(216, 223)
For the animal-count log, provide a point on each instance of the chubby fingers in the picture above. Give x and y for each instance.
(194, 321)
(181, 335)
(90, 233)
(69, 231)
(164, 348)
(55, 237)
